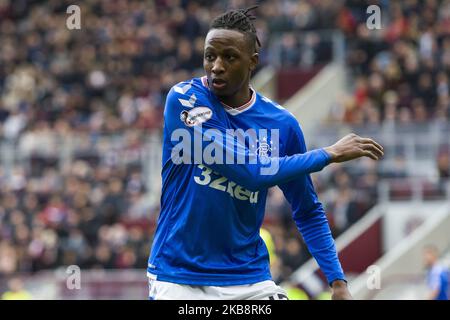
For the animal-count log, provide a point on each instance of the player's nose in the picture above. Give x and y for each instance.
(218, 66)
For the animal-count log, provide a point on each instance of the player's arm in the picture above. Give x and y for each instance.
(433, 294)
(251, 175)
(262, 174)
(311, 221)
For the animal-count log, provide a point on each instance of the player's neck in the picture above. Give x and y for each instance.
(239, 98)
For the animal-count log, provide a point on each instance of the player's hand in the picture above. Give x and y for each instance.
(352, 147)
(340, 291)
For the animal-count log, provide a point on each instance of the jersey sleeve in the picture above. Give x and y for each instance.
(189, 141)
(309, 215)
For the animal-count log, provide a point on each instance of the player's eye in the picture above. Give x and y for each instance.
(209, 57)
(230, 57)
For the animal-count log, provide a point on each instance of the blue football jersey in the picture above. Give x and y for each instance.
(438, 279)
(212, 211)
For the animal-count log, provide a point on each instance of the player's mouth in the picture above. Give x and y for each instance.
(219, 84)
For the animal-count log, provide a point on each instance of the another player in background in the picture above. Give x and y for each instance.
(207, 243)
(437, 274)
(16, 290)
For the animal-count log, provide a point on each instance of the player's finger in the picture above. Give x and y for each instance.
(370, 154)
(368, 140)
(379, 153)
(372, 148)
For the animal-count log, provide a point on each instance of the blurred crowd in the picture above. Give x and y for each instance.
(78, 106)
(400, 76)
(401, 70)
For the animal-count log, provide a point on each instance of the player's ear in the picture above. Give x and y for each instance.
(254, 59)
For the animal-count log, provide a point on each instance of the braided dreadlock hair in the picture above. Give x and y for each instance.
(240, 20)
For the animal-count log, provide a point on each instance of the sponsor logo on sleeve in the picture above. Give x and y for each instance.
(196, 116)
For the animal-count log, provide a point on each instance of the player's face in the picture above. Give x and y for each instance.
(428, 258)
(228, 62)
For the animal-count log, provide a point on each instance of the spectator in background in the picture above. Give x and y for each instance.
(289, 51)
(292, 255)
(443, 164)
(443, 169)
(437, 274)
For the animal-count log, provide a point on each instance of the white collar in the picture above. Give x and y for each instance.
(238, 110)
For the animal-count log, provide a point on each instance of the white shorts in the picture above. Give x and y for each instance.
(264, 290)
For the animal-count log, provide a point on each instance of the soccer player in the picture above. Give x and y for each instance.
(207, 243)
(437, 274)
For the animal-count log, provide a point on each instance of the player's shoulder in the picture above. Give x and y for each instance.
(439, 268)
(189, 93)
(191, 86)
(277, 112)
